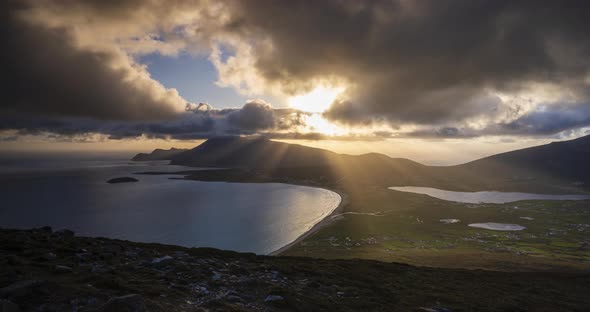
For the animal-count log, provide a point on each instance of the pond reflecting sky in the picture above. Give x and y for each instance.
(491, 197)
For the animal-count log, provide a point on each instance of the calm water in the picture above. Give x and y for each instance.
(498, 226)
(237, 216)
(491, 197)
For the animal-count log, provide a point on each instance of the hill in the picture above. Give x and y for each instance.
(556, 167)
(43, 270)
(158, 154)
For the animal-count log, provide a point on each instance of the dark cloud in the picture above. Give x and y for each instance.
(547, 120)
(543, 121)
(45, 73)
(255, 115)
(419, 61)
(449, 68)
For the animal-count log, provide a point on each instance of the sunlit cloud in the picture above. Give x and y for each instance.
(317, 100)
(364, 76)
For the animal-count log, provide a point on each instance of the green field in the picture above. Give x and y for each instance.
(405, 227)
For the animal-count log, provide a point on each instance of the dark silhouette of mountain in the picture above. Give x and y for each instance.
(293, 160)
(566, 159)
(158, 154)
(555, 167)
(559, 164)
(240, 152)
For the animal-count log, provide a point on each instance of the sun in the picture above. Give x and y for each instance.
(316, 101)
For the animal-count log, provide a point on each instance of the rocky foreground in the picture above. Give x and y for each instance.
(43, 270)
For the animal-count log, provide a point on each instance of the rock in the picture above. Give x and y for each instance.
(434, 309)
(62, 269)
(47, 229)
(131, 254)
(19, 289)
(64, 233)
(233, 299)
(107, 256)
(13, 260)
(122, 180)
(162, 259)
(98, 268)
(84, 257)
(216, 276)
(8, 306)
(21, 237)
(127, 303)
(274, 299)
(248, 281)
(180, 254)
(112, 249)
(92, 301)
(48, 256)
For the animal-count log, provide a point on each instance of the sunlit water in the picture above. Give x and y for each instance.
(498, 226)
(258, 218)
(491, 197)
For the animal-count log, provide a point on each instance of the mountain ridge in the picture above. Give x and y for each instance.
(557, 166)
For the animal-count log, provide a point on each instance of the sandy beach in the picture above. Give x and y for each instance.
(324, 222)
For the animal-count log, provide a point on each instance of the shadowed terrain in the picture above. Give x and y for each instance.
(559, 167)
(378, 223)
(62, 272)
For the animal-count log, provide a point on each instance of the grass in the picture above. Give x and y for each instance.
(410, 231)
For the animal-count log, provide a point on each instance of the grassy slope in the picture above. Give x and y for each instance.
(197, 279)
(407, 229)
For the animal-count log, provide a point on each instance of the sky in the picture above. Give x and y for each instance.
(440, 82)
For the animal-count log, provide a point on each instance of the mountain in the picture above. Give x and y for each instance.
(555, 167)
(158, 154)
(240, 152)
(294, 161)
(565, 160)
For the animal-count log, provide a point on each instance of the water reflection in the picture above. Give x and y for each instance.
(237, 216)
(491, 197)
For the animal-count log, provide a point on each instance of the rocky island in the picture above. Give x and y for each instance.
(122, 180)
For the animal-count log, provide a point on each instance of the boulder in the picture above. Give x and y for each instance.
(19, 289)
(64, 233)
(274, 299)
(127, 303)
(62, 269)
(8, 306)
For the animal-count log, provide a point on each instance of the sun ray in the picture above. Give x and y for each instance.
(316, 101)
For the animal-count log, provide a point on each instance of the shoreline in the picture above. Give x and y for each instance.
(321, 224)
(327, 220)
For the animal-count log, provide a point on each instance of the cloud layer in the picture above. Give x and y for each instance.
(46, 73)
(423, 62)
(415, 68)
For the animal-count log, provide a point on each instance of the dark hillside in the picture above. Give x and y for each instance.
(42, 270)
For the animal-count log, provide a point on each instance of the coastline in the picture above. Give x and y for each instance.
(323, 223)
(316, 227)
